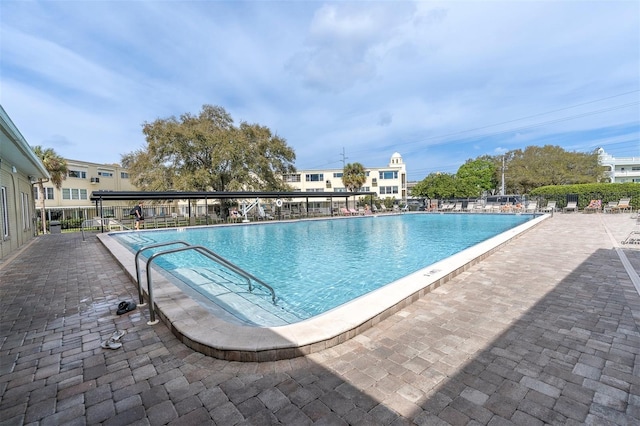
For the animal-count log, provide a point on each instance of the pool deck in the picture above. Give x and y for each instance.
(545, 330)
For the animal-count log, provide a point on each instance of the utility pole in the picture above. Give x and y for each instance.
(344, 158)
(502, 187)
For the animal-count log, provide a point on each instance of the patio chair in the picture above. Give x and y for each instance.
(550, 207)
(611, 207)
(262, 215)
(594, 206)
(571, 205)
(623, 205)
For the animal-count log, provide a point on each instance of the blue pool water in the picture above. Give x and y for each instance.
(317, 265)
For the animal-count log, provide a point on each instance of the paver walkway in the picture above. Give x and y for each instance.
(545, 331)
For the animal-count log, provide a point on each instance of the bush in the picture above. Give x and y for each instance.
(590, 191)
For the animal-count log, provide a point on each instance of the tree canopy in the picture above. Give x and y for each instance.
(353, 176)
(208, 152)
(524, 171)
(537, 166)
(57, 168)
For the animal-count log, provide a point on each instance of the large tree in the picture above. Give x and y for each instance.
(537, 166)
(476, 176)
(436, 185)
(57, 168)
(208, 153)
(353, 176)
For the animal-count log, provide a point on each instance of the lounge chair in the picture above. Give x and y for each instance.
(262, 215)
(457, 207)
(344, 211)
(611, 207)
(549, 208)
(532, 207)
(623, 205)
(571, 205)
(594, 206)
(353, 212)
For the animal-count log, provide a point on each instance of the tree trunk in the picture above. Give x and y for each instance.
(43, 216)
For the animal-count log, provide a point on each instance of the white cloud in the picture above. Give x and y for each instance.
(439, 82)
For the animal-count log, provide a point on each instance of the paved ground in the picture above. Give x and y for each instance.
(545, 331)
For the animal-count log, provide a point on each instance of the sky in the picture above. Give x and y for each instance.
(342, 82)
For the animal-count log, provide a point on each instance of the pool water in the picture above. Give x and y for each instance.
(317, 265)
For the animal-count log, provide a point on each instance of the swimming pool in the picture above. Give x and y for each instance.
(315, 266)
(215, 333)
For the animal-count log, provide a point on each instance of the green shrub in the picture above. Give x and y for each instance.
(590, 191)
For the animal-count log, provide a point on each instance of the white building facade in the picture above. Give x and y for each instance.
(389, 181)
(620, 169)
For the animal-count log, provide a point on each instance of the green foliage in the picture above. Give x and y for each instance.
(57, 168)
(475, 176)
(591, 191)
(353, 176)
(208, 153)
(547, 165)
(436, 185)
(525, 170)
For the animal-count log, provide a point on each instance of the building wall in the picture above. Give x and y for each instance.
(84, 178)
(19, 166)
(620, 169)
(388, 181)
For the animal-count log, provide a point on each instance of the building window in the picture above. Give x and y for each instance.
(77, 174)
(635, 169)
(48, 193)
(292, 178)
(390, 174)
(337, 175)
(339, 189)
(5, 212)
(74, 194)
(314, 177)
(105, 174)
(26, 224)
(388, 190)
(124, 175)
(328, 184)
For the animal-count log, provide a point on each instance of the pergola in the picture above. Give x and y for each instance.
(99, 196)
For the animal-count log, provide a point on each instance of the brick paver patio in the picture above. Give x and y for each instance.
(545, 331)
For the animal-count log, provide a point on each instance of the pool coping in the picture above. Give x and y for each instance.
(202, 331)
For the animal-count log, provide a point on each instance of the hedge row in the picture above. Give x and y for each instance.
(584, 193)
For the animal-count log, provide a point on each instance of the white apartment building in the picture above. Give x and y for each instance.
(389, 181)
(74, 195)
(620, 169)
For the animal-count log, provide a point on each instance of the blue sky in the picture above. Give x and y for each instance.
(438, 82)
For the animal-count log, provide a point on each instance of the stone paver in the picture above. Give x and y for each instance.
(544, 331)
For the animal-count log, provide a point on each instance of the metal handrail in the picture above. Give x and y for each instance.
(211, 255)
(139, 252)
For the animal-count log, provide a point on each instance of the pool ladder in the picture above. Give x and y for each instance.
(203, 251)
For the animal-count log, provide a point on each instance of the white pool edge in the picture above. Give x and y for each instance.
(200, 330)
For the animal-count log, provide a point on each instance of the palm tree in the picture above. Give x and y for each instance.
(353, 176)
(57, 168)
